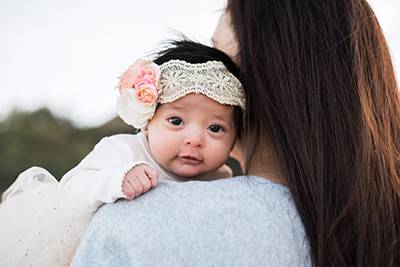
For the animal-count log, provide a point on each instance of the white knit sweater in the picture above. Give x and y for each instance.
(241, 221)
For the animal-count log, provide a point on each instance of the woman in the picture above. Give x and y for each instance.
(323, 118)
(323, 74)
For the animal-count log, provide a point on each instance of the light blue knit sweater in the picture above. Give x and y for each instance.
(241, 221)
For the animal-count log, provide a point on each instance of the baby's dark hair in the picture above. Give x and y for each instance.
(193, 52)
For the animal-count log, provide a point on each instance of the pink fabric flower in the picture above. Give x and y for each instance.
(147, 94)
(143, 76)
(139, 90)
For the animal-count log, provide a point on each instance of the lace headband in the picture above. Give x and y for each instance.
(145, 84)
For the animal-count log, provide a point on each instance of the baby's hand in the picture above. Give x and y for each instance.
(139, 180)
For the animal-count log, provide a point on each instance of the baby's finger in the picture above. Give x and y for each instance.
(152, 175)
(137, 185)
(145, 181)
(128, 190)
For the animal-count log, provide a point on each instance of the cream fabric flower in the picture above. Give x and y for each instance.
(132, 111)
(139, 90)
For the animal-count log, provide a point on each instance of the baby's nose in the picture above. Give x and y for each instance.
(194, 140)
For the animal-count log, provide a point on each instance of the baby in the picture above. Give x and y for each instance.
(188, 104)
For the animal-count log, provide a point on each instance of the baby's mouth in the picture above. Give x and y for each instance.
(190, 159)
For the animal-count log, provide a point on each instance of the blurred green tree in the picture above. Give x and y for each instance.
(40, 139)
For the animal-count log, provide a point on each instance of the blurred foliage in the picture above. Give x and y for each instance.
(40, 139)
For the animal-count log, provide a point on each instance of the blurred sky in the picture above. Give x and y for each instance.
(66, 55)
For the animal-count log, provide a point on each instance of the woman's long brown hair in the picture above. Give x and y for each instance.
(320, 83)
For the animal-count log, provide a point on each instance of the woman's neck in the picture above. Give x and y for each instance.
(267, 169)
(265, 163)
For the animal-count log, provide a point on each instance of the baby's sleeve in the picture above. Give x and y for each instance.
(98, 178)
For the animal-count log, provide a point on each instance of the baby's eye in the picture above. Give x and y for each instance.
(215, 128)
(175, 121)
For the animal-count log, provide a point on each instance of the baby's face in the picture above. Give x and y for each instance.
(192, 136)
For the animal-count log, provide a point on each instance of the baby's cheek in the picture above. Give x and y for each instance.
(219, 155)
(158, 149)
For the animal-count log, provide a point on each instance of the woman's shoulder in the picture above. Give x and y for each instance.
(241, 190)
(248, 194)
(236, 221)
(247, 200)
